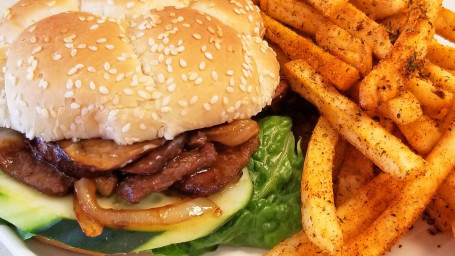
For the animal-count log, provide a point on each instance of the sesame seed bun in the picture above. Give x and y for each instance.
(137, 76)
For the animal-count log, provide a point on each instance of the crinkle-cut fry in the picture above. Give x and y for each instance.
(403, 109)
(384, 81)
(440, 213)
(381, 147)
(439, 76)
(355, 215)
(441, 55)
(354, 173)
(361, 26)
(445, 24)
(295, 46)
(403, 212)
(422, 134)
(429, 95)
(378, 9)
(319, 219)
(304, 17)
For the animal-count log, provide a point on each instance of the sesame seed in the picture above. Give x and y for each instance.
(128, 91)
(183, 103)
(72, 71)
(103, 90)
(165, 101)
(197, 36)
(112, 71)
(95, 26)
(214, 75)
(142, 126)
(92, 85)
(74, 105)
(37, 50)
(57, 57)
(198, 81)
(101, 40)
(171, 87)
(165, 109)
(78, 83)
(91, 69)
(202, 65)
(73, 52)
(214, 99)
(126, 128)
(68, 94)
(230, 72)
(109, 46)
(93, 48)
(194, 100)
(183, 63)
(229, 89)
(204, 48)
(184, 77)
(231, 81)
(19, 63)
(160, 78)
(120, 77)
(33, 39)
(207, 106)
(193, 76)
(143, 94)
(69, 84)
(208, 55)
(43, 84)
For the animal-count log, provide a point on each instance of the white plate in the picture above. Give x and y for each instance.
(417, 242)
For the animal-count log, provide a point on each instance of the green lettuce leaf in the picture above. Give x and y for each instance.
(273, 213)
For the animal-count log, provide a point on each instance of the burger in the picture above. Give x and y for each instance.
(127, 125)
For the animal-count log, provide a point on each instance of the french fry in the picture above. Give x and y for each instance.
(298, 47)
(403, 109)
(383, 82)
(379, 9)
(280, 55)
(429, 95)
(447, 191)
(361, 26)
(355, 172)
(439, 76)
(445, 24)
(441, 214)
(327, 7)
(355, 215)
(413, 199)
(336, 40)
(318, 209)
(386, 151)
(422, 134)
(441, 55)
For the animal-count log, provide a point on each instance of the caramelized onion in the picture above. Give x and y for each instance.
(139, 218)
(233, 134)
(90, 227)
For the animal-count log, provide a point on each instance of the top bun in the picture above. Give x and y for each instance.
(132, 70)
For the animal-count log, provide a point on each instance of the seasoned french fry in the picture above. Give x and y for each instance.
(336, 40)
(447, 191)
(297, 47)
(445, 24)
(355, 172)
(403, 109)
(318, 209)
(422, 134)
(327, 7)
(379, 9)
(402, 213)
(355, 215)
(441, 213)
(441, 55)
(386, 151)
(383, 82)
(429, 95)
(280, 55)
(439, 76)
(361, 26)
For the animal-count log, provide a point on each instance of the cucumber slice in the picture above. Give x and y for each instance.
(53, 218)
